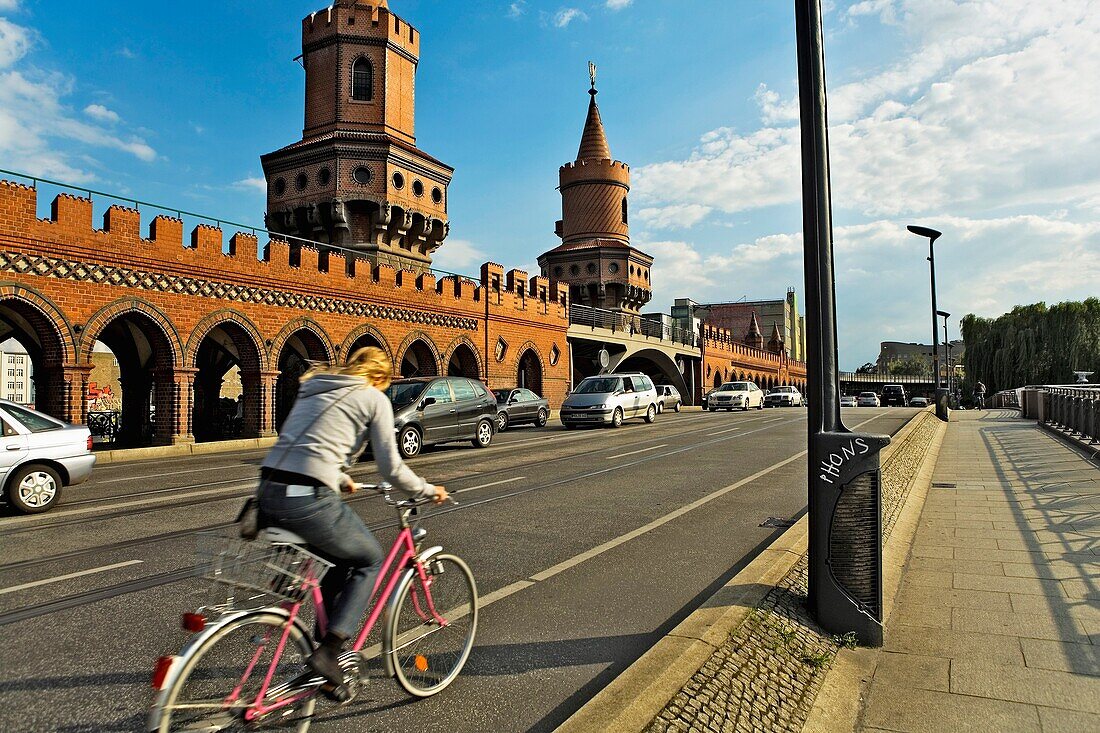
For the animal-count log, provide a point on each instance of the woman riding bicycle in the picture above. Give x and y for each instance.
(339, 409)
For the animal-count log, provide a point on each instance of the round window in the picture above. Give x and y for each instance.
(361, 175)
(591, 268)
(647, 275)
(280, 186)
(437, 195)
(398, 180)
(418, 189)
(324, 176)
(613, 267)
(632, 270)
(574, 270)
(301, 182)
(558, 271)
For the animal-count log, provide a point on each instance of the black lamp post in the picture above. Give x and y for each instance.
(941, 392)
(947, 350)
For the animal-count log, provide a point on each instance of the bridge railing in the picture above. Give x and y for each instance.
(583, 315)
(1075, 410)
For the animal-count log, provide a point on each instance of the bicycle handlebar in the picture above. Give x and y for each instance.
(385, 489)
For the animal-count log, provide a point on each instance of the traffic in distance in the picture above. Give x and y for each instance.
(42, 454)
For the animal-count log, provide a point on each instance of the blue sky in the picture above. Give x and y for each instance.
(977, 118)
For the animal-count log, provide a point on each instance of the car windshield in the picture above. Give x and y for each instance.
(734, 387)
(402, 394)
(601, 385)
(33, 421)
(891, 390)
(502, 395)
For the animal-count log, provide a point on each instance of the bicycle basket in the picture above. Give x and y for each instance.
(255, 574)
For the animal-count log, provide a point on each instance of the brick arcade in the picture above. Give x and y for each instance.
(355, 211)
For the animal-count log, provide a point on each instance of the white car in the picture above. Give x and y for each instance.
(868, 399)
(39, 456)
(848, 401)
(740, 395)
(783, 397)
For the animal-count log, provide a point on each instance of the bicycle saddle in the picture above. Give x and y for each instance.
(280, 536)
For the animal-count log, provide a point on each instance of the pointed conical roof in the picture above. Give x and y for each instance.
(754, 326)
(594, 141)
(777, 335)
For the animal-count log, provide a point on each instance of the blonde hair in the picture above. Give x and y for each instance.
(370, 363)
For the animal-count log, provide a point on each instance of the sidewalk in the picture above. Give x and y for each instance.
(996, 625)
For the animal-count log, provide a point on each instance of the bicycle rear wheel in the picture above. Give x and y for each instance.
(427, 656)
(203, 699)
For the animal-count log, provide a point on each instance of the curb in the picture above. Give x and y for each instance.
(184, 449)
(634, 698)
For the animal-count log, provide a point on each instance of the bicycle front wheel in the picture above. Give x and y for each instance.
(221, 679)
(428, 655)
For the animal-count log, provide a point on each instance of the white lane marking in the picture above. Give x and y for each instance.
(636, 452)
(516, 587)
(486, 486)
(70, 576)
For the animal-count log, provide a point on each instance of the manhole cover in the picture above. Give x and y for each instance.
(777, 523)
(943, 486)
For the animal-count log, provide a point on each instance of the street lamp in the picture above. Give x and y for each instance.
(946, 349)
(941, 392)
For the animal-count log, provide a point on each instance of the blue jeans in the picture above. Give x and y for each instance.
(337, 534)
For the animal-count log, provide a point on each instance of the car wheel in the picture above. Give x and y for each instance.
(484, 437)
(660, 407)
(677, 408)
(712, 409)
(617, 418)
(543, 418)
(651, 414)
(34, 489)
(410, 443)
(502, 422)
(761, 405)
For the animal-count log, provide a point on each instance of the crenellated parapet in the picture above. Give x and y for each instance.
(726, 357)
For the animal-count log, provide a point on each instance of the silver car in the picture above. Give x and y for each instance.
(609, 399)
(668, 398)
(40, 454)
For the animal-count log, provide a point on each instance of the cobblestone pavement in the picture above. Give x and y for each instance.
(766, 676)
(997, 620)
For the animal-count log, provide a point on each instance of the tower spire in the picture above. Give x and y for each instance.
(594, 141)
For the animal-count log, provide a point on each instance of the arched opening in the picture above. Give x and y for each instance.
(658, 366)
(463, 363)
(529, 372)
(227, 385)
(362, 80)
(367, 339)
(717, 379)
(133, 352)
(32, 358)
(303, 349)
(419, 361)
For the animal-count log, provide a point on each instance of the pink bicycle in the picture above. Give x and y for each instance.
(243, 667)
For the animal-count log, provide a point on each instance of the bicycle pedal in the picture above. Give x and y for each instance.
(339, 694)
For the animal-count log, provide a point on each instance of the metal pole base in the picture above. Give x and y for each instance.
(942, 396)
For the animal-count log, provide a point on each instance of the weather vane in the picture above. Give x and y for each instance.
(592, 73)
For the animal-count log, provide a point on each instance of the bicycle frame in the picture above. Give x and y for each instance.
(401, 556)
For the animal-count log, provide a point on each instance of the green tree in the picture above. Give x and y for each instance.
(909, 366)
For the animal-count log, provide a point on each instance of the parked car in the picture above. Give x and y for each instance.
(741, 395)
(668, 398)
(893, 395)
(785, 396)
(919, 402)
(518, 406)
(848, 400)
(40, 455)
(609, 399)
(868, 399)
(432, 410)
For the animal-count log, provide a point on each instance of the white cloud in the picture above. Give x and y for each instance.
(101, 113)
(252, 184)
(672, 217)
(517, 9)
(460, 256)
(35, 117)
(565, 16)
(619, 4)
(8, 5)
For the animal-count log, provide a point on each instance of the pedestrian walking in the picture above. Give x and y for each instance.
(979, 395)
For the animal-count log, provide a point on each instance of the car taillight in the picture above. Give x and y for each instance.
(193, 622)
(161, 670)
(89, 442)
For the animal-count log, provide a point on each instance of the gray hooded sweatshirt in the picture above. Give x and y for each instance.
(329, 428)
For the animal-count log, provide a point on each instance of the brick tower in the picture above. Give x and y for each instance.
(595, 257)
(356, 178)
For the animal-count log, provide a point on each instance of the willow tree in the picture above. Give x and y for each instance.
(1032, 344)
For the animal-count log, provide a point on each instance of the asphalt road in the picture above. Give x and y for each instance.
(588, 545)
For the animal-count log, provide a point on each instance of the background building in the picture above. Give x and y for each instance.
(893, 355)
(737, 318)
(17, 383)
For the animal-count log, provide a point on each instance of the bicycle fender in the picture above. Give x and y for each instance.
(391, 607)
(194, 643)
